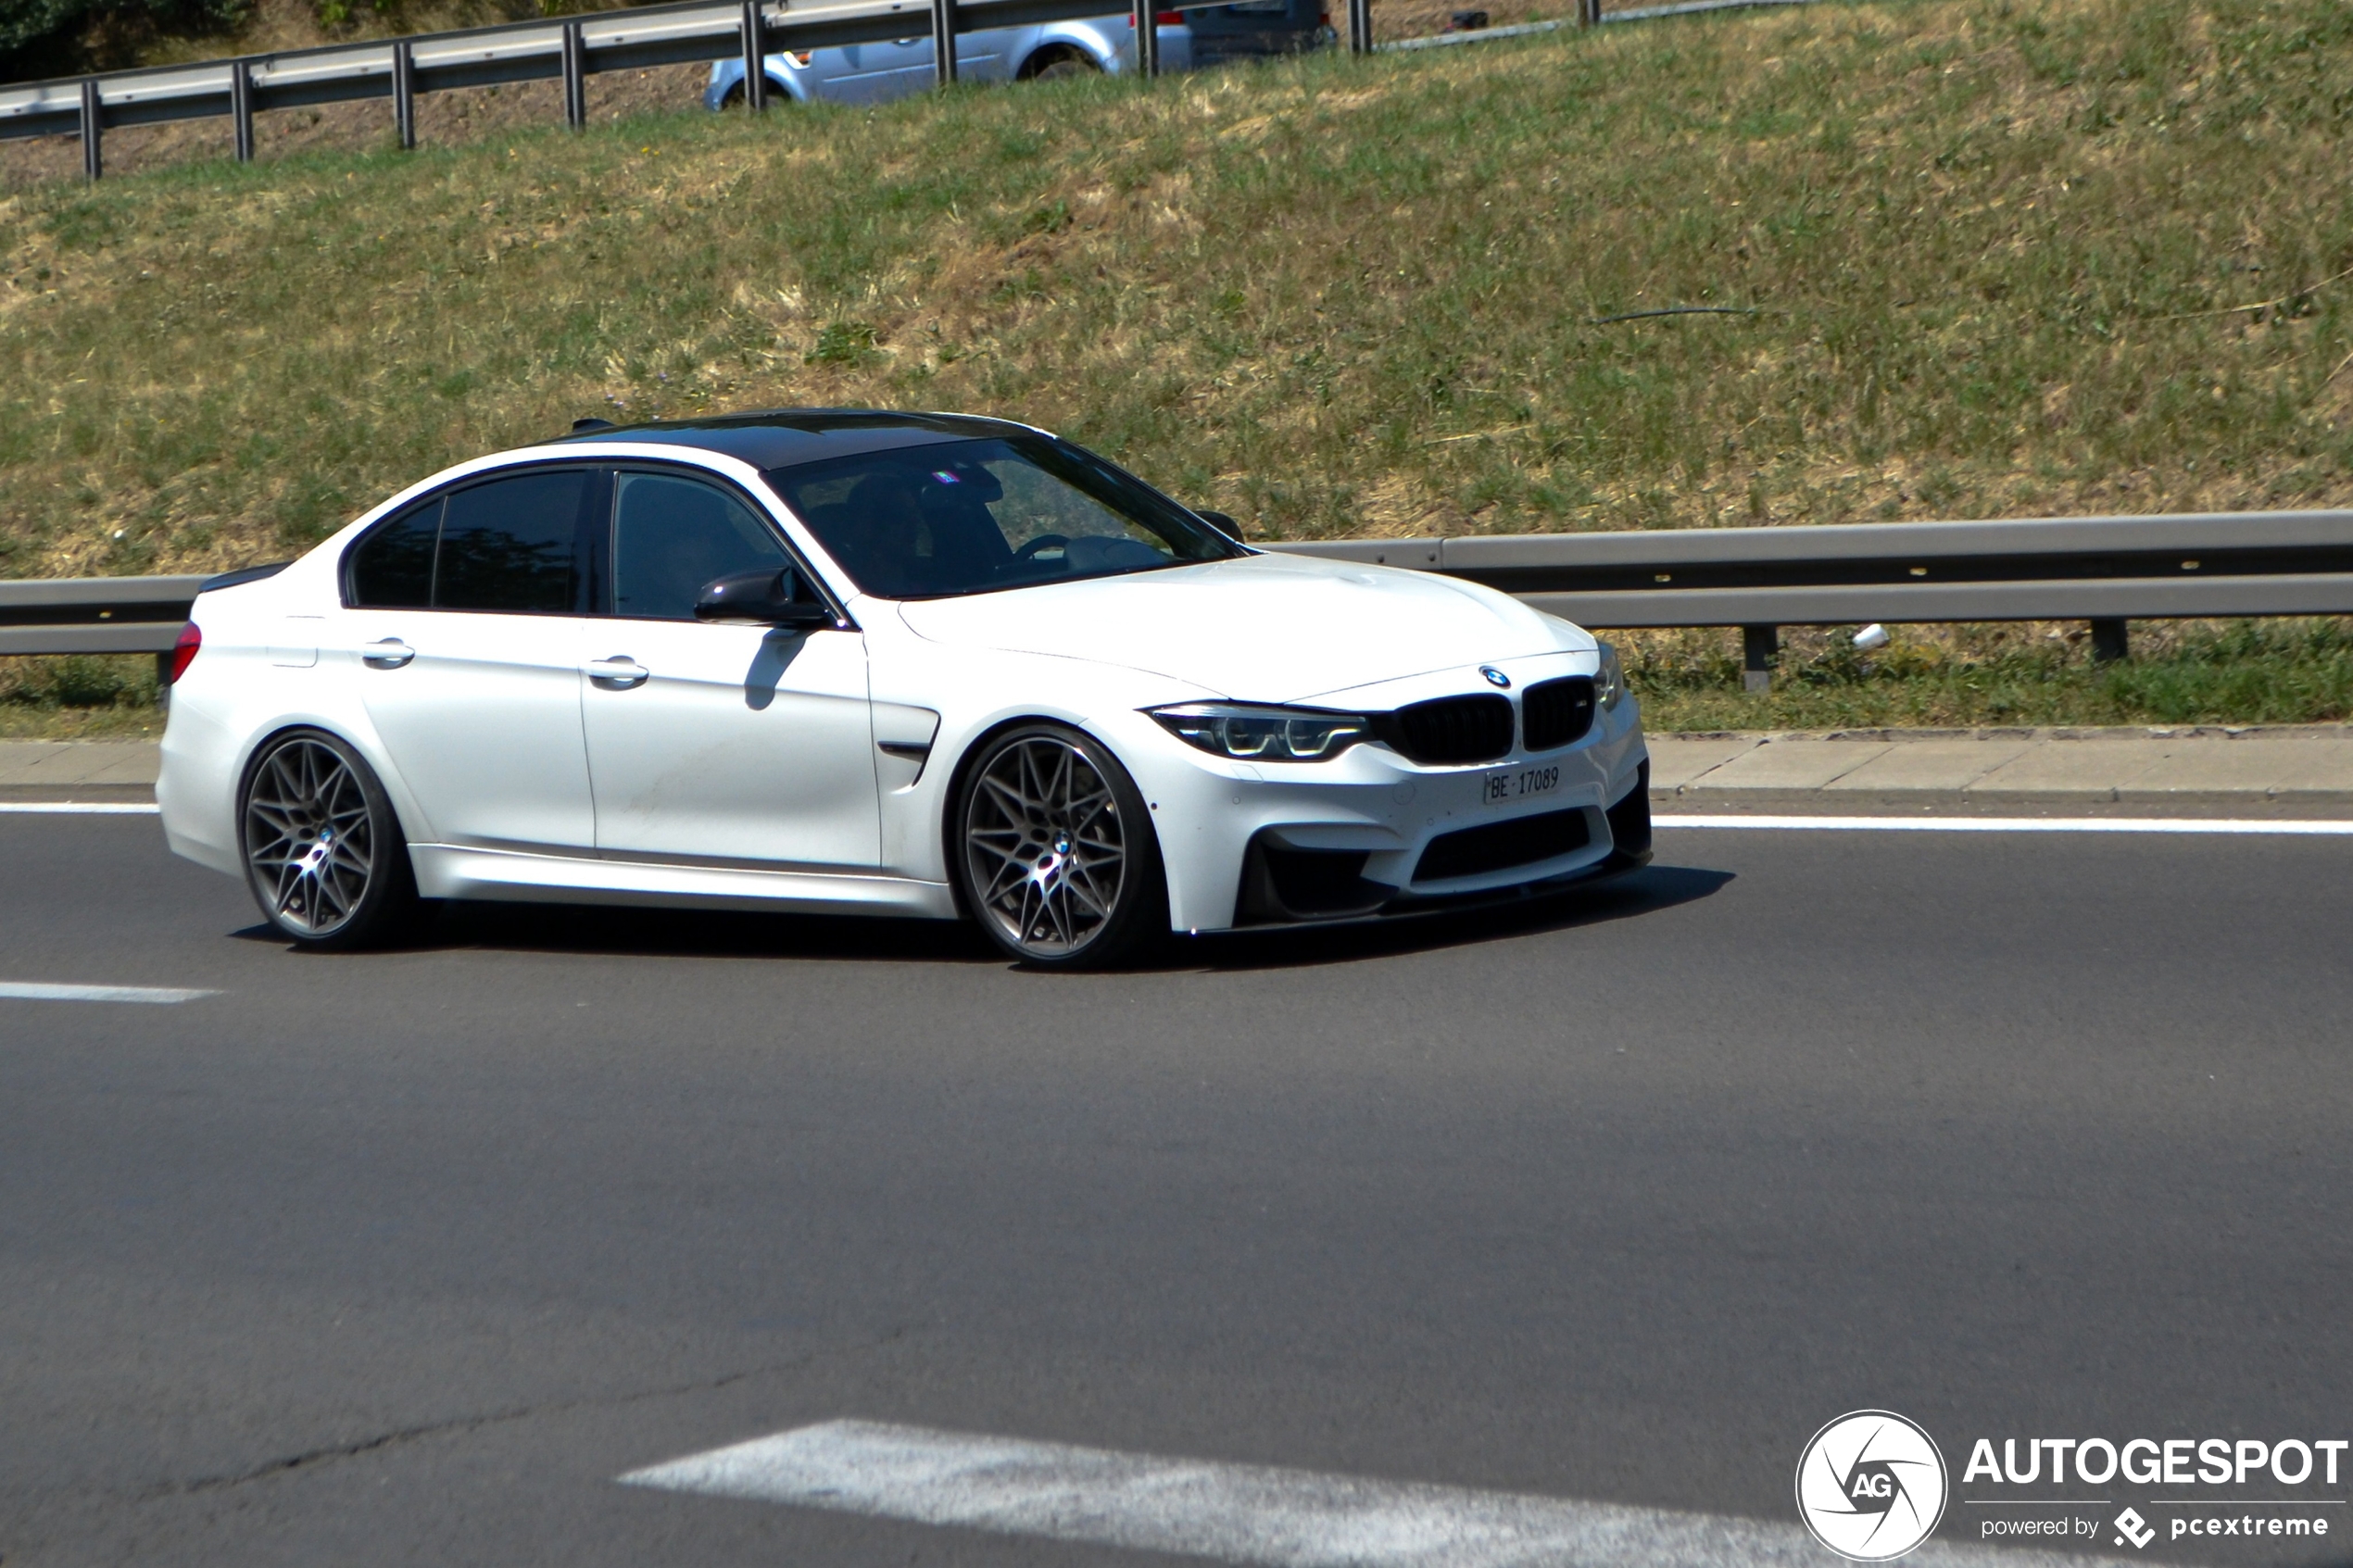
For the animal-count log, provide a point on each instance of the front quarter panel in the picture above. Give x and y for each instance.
(977, 693)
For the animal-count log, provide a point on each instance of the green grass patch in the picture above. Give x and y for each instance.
(2249, 673)
(82, 698)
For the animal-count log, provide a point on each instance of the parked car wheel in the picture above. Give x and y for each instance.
(1057, 858)
(323, 851)
(1064, 67)
(734, 99)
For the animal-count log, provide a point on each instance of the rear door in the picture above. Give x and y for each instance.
(465, 617)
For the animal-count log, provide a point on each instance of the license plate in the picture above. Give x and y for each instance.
(1508, 785)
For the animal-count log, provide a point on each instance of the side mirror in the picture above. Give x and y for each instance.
(1220, 521)
(766, 598)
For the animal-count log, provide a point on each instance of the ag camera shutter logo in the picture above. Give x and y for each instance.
(1871, 1486)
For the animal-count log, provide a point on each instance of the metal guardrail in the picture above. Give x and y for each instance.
(2107, 571)
(569, 50)
(574, 49)
(64, 615)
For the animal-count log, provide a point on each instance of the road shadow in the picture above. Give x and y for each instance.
(720, 934)
(1648, 891)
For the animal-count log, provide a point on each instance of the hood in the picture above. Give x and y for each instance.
(1269, 628)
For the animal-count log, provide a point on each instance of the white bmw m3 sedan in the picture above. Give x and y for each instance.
(859, 662)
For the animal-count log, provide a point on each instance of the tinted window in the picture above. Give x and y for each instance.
(392, 568)
(967, 517)
(672, 535)
(509, 544)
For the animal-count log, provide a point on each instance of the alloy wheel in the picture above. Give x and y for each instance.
(1045, 846)
(310, 839)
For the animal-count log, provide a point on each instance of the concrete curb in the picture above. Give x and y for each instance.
(2195, 767)
(99, 770)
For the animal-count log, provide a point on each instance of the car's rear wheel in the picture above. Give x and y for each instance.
(1063, 67)
(1055, 852)
(323, 851)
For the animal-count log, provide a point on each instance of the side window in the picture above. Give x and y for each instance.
(510, 544)
(670, 535)
(392, 568)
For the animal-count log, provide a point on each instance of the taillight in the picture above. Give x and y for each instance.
(183, 652)
(1168, 19)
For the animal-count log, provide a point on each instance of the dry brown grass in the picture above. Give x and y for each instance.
(1990, 244)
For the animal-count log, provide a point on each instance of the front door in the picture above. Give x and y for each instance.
(466, 623)
(716, 744)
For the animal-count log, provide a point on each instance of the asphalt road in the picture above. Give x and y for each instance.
(402, 1258)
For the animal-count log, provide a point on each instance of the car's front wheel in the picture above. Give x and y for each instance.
(323, 851)
(1055, 851)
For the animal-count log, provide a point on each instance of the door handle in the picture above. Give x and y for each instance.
(390, 653)
(618, 673)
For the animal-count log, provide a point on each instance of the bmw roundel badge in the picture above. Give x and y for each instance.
(1494, 677)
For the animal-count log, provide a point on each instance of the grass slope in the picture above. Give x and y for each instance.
(2004, 257)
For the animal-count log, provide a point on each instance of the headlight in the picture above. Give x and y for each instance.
(1610, 681)
(1276, 734)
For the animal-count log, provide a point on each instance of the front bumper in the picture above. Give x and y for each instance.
(1287, 886)
(1370, 833)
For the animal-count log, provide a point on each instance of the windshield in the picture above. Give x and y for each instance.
(971, 517)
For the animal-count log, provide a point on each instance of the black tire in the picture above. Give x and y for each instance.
(1053, 852)
(735, 98)
(322, 848)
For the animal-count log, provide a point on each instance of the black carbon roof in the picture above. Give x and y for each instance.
(776, 438)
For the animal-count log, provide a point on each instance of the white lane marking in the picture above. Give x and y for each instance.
(2017, 824)
(1242, 1513)
(34, 991)
(79, 809)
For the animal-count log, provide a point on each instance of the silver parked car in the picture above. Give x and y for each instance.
(874, 73)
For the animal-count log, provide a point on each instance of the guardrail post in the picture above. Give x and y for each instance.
(1759, 646)
(1360, 27)
(1146, 17)
(403, 93)
(2110, 640)
(943, 41)
(755, 57)
(1588, 13)
(575, 78)
(92, 131)
(241, 107)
